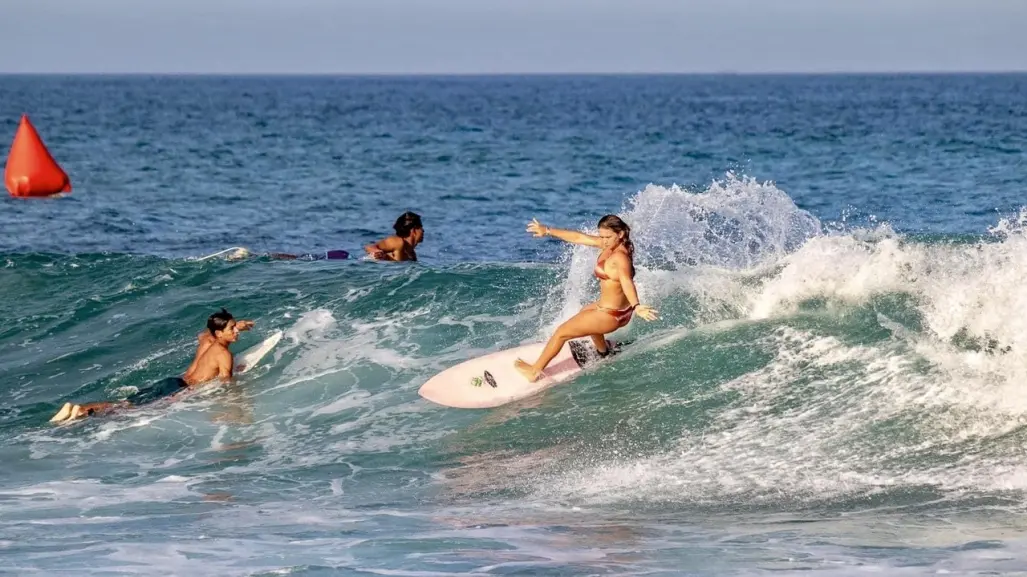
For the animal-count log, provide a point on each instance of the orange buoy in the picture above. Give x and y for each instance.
(31, 171)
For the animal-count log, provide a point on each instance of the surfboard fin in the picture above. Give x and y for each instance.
(584, 354)
(491, 380)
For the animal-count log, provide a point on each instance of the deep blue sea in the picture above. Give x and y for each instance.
(836, 385)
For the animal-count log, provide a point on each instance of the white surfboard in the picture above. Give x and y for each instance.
(249, 358)
(491, 380)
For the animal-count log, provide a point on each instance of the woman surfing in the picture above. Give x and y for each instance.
(618, 299)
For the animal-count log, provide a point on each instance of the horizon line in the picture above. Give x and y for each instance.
(911, 72)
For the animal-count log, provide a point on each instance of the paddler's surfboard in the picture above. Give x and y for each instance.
(492, 380)
(249, 358)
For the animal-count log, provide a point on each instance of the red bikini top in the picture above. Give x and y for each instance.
(600, 271)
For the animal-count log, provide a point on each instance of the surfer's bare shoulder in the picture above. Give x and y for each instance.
(214, 363)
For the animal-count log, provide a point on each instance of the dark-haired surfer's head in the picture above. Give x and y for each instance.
(408, 226)
(222, 325)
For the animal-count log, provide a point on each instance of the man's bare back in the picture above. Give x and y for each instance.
(213, 360)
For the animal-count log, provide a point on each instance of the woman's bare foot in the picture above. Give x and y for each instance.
(527, 370)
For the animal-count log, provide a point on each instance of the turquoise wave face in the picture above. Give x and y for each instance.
(861, 372)
(833, 373)
(831, 394)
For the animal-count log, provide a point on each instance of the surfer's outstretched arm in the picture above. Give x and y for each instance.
(572, 236)
(206, 337)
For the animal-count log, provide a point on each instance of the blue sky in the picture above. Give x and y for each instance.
(511, 36)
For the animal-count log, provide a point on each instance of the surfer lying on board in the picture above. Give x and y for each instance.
(213, 360)
(409, 234)
(618, 299)
(242, 253)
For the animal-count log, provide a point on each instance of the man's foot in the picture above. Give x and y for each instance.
(70, 412)
(527, 370)
(63, 414)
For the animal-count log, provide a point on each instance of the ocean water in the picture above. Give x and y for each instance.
(836, 385)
